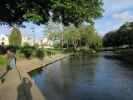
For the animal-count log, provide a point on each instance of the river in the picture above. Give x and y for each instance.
(92, 77)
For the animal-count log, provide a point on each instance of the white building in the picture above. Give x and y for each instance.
(44, 42)
(47, 42)
(4, 39)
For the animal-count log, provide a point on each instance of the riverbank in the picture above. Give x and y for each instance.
(126, 55)
(12, 88)
(86, 77)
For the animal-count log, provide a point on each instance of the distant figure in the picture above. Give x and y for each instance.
(24, 90)
(2, 48)
(11, 59)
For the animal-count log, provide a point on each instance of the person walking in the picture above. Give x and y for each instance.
(11, 64)
(11, 59)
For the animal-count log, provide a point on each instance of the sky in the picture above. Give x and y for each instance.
(116, 13)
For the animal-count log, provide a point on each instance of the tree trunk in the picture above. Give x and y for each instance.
(62, 40)
(67, 44)
(75, 43)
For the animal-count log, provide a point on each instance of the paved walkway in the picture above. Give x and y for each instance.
(19, 86)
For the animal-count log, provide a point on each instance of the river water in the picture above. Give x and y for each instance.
(95, 77)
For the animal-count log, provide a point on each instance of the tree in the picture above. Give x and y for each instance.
(126, 34)
(82, 36)
(89, 37)
(71, 11)
(72, 36)
(53, 31)
(122, 36)
(15, 37)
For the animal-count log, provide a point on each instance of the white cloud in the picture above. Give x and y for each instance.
(112, 6)
(117, 12)
(121, 1)
(125, 16)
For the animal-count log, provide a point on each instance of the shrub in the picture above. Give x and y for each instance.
(40, 53)
(69, 50)
(36, 46)
(13, 48)
(51, 51)
(27, 51)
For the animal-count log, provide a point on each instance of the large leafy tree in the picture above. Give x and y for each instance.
(72, 36)
(120, 37)
(15, 37)
(109, 39)
(82, 36)
(66, 11)
(89, 37)
(126, 33)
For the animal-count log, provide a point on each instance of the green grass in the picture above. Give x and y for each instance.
(3, 62)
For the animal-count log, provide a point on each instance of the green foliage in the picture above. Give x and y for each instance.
(71, 11)
(109, 39)
(40, 53)
(33, 15)
(35, 51)
(13, 48)
(52, 51)
(15, 37)
(3, 62)
(90, 37)
(36, 46)
(77, 11)
(27, 51)
(122, 36)
(87, 51)
(82, 36)
(68, 50)
(72, 36)
(56, 44)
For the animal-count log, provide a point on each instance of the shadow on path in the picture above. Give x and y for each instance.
(2, 79)
(24, 90)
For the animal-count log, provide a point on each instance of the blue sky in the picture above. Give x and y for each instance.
(116, 13)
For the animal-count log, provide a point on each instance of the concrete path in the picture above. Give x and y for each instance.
(15, 88)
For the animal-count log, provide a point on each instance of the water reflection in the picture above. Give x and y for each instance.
(92, 77)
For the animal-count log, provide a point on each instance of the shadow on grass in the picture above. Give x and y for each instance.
(24, 90)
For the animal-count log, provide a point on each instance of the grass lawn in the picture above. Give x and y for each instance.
(3, 62)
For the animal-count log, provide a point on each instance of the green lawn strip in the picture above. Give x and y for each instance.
(3, 62)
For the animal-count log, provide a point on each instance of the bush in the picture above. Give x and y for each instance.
(87, 51)
(69, 50)
(27, 51)
(13, 48)
(40, 53)
(51, 51)
(48, 52)
(36, 46)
